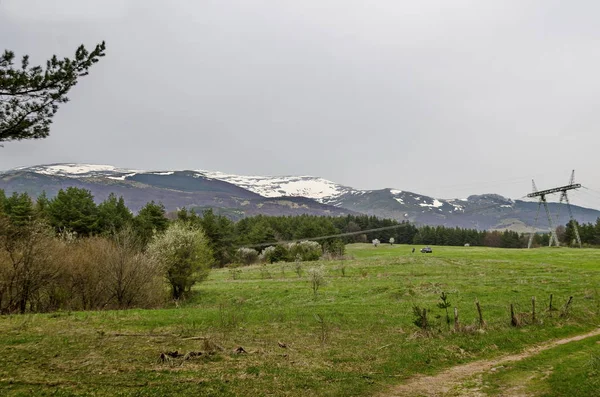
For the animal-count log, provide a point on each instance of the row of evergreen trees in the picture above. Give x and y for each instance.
(74, 210)
(588, 232)
(440, 235)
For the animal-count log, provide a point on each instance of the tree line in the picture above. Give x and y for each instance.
(588, 232)
(69, 252)
(74, 211)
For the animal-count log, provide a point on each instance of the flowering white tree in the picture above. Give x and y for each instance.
(392, 241)
(306, 250)
(266, 254)
(247, 256)
(376, 242)
(184, 253)
(316, 276)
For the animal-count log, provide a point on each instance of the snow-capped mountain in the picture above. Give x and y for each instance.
(242, 195)
(319, 189)
(175, 189)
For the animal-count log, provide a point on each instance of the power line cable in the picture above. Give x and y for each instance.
(326, 237)
(471, 211)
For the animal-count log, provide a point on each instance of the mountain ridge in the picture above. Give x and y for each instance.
(246, 195)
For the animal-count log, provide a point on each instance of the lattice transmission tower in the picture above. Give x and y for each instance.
(542, 201)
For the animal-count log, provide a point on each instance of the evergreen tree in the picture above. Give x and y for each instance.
(19, 209)
(29, 96)
(150, 220)
(587, 233)
(261, 232)
(2, 200)
(113, 214)
(42, 203)
(74, 210)
(188, 217)
(597, 232)
(220, 233)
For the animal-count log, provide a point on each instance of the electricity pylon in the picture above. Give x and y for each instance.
(563, 196)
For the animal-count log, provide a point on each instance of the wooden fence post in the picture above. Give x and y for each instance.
(456, 324)
(481, 322)
(513, 320)
(567, 306)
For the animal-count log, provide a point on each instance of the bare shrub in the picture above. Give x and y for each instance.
(27, 266)
(83, 261)
(323, 328)
(316, 277)
(132, 278)
(40, 272)
(234, 271)
(111, 273)
(264, 272)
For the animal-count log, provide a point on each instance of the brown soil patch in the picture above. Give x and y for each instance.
(445, 381)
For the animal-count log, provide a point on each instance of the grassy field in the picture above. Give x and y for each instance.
(354, 337)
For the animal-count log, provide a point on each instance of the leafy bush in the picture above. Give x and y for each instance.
(305, 250)
(266, 254)
(301, 251)
(274, 253)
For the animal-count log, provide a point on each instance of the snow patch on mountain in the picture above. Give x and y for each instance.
(121, 177)
(71, 169)
(77, 170)
(396, 193)
(277, 186)
(457, 207)
(436, 203)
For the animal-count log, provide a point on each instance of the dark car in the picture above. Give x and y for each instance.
(426, 250)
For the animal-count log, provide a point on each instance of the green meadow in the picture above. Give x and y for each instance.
(263, 330)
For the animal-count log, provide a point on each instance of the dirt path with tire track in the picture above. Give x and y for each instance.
(445, 381)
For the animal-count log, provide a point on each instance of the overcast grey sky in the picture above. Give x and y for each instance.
(445, 98)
